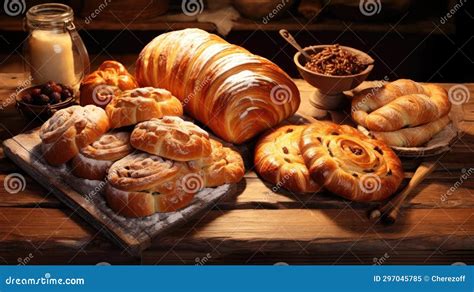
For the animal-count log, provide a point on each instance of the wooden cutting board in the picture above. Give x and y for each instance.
(84, 197)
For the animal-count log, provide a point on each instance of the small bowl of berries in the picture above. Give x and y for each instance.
(44, 100)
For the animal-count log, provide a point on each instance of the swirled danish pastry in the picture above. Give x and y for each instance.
(349, 164)
(94, 160)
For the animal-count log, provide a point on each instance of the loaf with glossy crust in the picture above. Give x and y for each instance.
(141, 104)
(94, 160)
(223, 166)
(98, 87)
(399, 104)
(278, 160)
(415, 136)
(349, 164)
(141, 184)
(171, 138)
(71, 129)
(233, 92)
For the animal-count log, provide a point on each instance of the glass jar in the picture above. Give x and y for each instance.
(54, 50)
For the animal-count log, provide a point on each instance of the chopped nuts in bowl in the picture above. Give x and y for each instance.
(334, 68)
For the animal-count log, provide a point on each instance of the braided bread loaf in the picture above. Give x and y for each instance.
(233, 92)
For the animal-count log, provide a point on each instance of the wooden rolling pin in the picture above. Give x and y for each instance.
(389, 211)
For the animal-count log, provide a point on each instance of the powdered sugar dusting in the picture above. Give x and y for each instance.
(140, 228)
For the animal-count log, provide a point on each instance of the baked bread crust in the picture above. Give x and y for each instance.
(171, 138)
(409, 137)
(399, 104)
(233, 92)
(94, 160)
(142, 104)
(350, 164)
(71, 129)
(222, 166)
(278, 160)
(141, 184)
(109, 73)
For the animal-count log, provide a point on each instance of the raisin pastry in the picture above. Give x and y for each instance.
(278, 160)
(349, 164)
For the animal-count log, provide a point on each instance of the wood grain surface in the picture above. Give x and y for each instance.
(260, 226)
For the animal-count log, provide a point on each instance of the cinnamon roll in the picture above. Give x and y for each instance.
(141, 184)
(94, 160)
(71, 129)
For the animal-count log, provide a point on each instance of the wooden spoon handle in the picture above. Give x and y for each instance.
(289, 38)
(390, 210)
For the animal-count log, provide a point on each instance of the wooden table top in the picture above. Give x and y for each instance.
(257, 225)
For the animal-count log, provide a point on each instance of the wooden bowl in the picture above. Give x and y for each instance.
(44, 112)
(328, 84)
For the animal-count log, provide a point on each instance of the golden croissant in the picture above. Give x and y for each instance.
(233, 92)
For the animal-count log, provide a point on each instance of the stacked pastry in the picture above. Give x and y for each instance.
(153, 161)
(178, 160)
(339, 158)
(402, 113)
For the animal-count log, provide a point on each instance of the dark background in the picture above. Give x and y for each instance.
(406, 40)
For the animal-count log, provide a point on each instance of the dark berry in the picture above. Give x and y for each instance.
(27, 98)
(46, 89)
(55, 97)
(65, 94)
(56, 88)
(36, 99)
(36, 91)
(44, 99)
